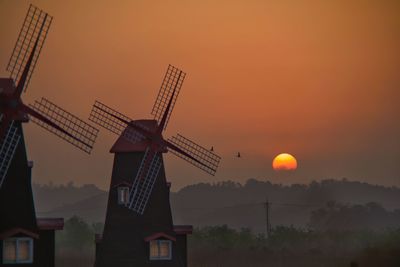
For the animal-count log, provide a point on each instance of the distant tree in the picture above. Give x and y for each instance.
(222, 236)
(340, 217)
(76, 234)
(288, 236)
(98, 227)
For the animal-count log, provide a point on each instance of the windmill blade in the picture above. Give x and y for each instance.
(116, 122)
(34, 29)
(144, 181)
(63, 124)
(170, 87)
(193, 153)
(7, 150)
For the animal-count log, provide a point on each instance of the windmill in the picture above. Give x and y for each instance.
(136, 131)
(43, 112)
(139, 229)
(24, 238)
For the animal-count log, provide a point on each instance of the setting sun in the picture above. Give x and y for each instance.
(284, 162)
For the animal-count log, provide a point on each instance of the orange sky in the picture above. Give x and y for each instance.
(315, 79)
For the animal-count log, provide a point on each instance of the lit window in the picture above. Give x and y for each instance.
(18, 250)
(123, 195)
(160, 250)
(9, 251)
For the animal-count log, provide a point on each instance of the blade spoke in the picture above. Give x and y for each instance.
(64, 124)
(194, 154)
(144, 181)
(7, 149)
(116, 122)
(34, 29)
(173, 80)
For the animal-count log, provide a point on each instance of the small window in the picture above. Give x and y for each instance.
(18, 250)
(160, 250)
(123, 195)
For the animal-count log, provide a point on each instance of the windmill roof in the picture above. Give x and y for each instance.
(178, 230)
(122, 145)
(7, 85)
(17, 230)
(50, 223)
(158, 235)
(183, 229)
(122, 183)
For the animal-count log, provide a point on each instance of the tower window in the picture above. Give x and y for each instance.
(160, 250)
(18, 250)
(123, 195)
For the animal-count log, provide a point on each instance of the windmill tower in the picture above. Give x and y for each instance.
(25, 239)
(138, 229)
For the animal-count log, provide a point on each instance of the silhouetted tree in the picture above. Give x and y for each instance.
(340, 217)
(76, 234)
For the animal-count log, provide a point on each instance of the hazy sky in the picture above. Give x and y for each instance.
(317, 79)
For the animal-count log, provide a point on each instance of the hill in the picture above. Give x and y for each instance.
(234, 204)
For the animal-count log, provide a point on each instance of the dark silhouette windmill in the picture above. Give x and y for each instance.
(24, 238)
(138, 229)
(46, 114)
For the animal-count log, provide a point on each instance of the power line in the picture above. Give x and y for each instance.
(298, 204)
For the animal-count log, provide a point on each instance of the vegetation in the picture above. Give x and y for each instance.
(328, 247)
(75, 244)
(320, 244)
(337, 216)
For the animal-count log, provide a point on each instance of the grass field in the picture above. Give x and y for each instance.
(257, 258)
(219, 246)
(74, 258)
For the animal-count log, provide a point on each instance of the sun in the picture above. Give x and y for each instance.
(284, 162)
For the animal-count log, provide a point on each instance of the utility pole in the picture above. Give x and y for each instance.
(268, 224)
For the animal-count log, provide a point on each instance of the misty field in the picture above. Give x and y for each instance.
(74, 257)
(217, 246)
(218, 258)
(251, 258)
(256, 258)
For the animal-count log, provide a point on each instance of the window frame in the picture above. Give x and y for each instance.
(16, 241)
(121, 190)
(159, 257)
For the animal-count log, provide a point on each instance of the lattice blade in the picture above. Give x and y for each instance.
(173, 80)
(202, 157)
(115, 122)
(34, 28)
(144, 182)
(7, 150)
(79, 133)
